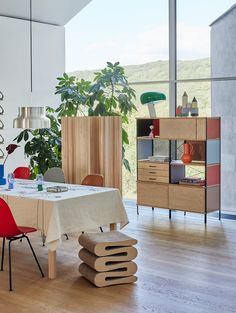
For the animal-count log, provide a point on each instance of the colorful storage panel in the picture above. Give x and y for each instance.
(213, 151)
(144, 149)
(213, 175)
(213, 128)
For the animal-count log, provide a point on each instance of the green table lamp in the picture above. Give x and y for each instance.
(150, 98)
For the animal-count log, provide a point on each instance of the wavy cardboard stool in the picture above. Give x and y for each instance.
(107, 258)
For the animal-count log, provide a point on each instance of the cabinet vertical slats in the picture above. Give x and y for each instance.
(92, 145)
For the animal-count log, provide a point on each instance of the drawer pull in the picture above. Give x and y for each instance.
(151, 172)
(153, 166)
(152, 178)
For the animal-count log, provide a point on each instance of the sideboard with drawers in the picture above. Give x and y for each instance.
(160, 171)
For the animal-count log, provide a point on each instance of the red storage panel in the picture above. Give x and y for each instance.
(213, 175)
(213, 128)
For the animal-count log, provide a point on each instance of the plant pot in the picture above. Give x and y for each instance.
(2, 179)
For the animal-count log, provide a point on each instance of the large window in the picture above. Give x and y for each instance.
(194, 35)
(136, 33)
(131, 32)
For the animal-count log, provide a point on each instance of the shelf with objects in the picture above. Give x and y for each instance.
(178, 164)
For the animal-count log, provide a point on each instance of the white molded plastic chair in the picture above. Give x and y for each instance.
(54, 174)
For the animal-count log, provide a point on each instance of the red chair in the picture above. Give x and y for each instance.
(93, 180)
(22, 172)
(10, 231)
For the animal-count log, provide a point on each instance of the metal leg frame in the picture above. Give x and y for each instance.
(9, 252)
(100, 230)
(3, 248)
(43, 239)
(170, 214)
(10, 275)
(36, 260)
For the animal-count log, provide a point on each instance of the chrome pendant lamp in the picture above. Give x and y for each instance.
(29, 116)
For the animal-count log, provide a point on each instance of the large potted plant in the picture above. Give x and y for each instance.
(108, 95)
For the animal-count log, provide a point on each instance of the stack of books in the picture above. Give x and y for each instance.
(192, 181)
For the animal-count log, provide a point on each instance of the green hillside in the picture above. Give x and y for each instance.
(159, 70)
(155, 71)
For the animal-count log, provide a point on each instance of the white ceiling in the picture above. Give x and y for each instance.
(56, 12)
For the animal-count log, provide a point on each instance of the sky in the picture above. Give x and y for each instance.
(136, 31)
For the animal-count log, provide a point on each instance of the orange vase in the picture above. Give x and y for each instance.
(187, 156)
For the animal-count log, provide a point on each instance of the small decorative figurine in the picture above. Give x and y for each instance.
(194, 103)
(179, 110)
(151, 132)
(184, 100)
(188, 108)
(194, 110)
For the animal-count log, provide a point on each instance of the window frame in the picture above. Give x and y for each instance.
(173, 81)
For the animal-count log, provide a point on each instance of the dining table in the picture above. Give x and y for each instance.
(54, 212)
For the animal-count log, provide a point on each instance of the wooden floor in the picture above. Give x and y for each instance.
(184, 267)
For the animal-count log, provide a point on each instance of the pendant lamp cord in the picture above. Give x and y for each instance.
(31, 49)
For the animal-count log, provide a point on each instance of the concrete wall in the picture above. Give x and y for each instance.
(223, 64)
(48, 63)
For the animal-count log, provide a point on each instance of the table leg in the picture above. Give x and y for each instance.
(52, 264)
(113, 226)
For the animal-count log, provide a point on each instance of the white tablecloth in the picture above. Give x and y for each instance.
(54, 214)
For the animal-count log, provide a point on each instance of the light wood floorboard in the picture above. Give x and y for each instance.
(184, 267)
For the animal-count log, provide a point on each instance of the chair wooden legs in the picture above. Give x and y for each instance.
(3, 247)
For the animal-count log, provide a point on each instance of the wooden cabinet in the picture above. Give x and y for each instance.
(92, 145)
(178, 128)
(183, 128)
(162, 184)
(152, 194)
(187, 198)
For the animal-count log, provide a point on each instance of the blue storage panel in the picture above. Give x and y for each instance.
(144, 149)
(213, 151)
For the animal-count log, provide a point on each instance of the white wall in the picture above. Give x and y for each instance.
(223, 52)
(48, 63)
